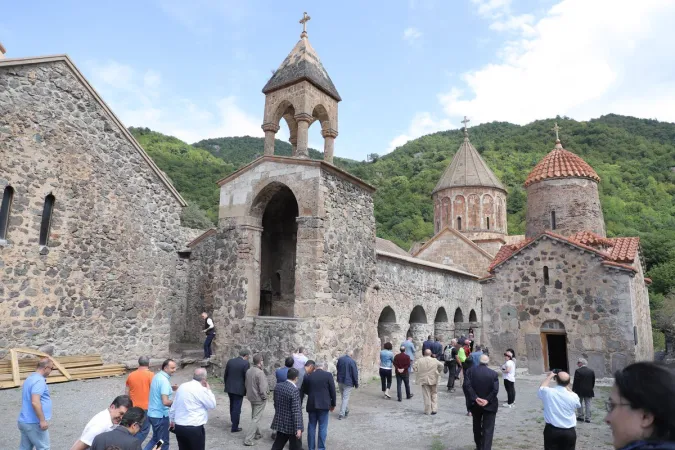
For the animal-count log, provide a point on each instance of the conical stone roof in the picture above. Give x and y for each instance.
(560, 163)
(468, 169)
(302, 64)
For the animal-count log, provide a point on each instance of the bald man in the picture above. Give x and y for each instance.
(188, 412)
(429, 371)
(560, 408)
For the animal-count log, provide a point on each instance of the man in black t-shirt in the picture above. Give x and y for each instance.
(450, 353)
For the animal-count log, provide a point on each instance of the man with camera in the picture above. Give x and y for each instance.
(560, 407)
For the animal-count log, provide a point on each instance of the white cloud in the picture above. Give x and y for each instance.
(423, 123)
(411, 34)
(139, 99)
(581, 59)
(492, 8)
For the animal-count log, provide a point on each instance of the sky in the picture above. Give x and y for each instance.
(404, 68)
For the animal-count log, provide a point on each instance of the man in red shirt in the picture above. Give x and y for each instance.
(402, 366)
(138, 389)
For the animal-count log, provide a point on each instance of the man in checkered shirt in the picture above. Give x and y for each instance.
(288, 413)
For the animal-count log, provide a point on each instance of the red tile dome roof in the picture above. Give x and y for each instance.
(560, 163)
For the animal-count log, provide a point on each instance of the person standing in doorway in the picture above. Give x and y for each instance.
(450, 353)
(410, 350)
(583, 385)
(160, 401)
(210, 330)
(319, 387)
(287, 422)
(386, 367)
(348, 380)
(429, 371)
(482, 385)
(402, 366)
(235, 386)
(36, 408)
(189, 411)
(560, 407)
(257, 391)
(138, 389)
(509, 375)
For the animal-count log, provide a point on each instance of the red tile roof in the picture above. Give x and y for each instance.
(624, 249)
(560, 163)
(506, 251)
(590, 238)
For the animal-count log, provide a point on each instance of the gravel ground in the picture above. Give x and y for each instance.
(374, 422)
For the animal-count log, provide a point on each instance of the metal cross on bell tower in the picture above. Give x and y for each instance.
(303, 21)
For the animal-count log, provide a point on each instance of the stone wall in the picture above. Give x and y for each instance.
(449, 248)
(106, 280)
(402, 285)
(474, 205)
(199, 291)
(593, 302)
(641, 314)
(576, 204)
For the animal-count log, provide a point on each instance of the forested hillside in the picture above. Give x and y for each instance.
(634, 157)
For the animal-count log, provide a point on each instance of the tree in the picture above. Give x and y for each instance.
(194, 217)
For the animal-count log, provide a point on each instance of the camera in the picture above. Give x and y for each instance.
(556, 371)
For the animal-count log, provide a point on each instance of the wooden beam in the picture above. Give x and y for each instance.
(57, 364)
(16, 379)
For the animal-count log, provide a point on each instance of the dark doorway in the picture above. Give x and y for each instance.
(277, 257)
(557, 351)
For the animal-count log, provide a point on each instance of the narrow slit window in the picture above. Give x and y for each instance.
(459, 223)
(46, 219)
(546, 280)
(552, 220)
(488, 222)
(5, 207)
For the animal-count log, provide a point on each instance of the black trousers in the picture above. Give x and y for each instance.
(559, 438)
(483, 427)
(293, 442)
(385, 377)
(207, 345)
(235, 409)
(190, 438)
(510, 387)
(405, 380)
(452, 373)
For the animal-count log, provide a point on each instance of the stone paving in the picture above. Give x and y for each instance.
(374, 422)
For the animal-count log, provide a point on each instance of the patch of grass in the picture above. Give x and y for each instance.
(437, 444)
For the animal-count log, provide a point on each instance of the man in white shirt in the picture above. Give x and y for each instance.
(560, 412)
(104, 421)
(189, 412)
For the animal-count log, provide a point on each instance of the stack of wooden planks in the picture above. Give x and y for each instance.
(15, 370)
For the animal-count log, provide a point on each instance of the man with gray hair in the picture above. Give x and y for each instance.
(348, 379)
(257, 390)
(189, 411)
(584, 382)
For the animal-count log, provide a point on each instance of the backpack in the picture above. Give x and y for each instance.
(447, 353)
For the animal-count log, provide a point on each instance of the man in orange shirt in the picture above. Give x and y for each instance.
(138, 388)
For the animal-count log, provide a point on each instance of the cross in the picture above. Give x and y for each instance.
(556, 128)
(466, 131)
(303, 21)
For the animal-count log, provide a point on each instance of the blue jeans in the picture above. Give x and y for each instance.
(33, 436)
(160, 430)
(320, 416)
(145, 429)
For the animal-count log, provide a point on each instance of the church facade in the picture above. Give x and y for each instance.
(94, 260)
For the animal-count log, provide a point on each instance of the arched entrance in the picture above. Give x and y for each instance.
(386, 326)
(278, 244)
(459, 317)
(442, 326)
(472, 316)
(554, 345)
(419, 329)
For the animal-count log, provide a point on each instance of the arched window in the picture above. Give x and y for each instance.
(545, 275)
(552, 220)
(5, 207)
(459, 223)
(46, 219)
(488, 222)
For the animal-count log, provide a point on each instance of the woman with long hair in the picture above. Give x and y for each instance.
(509, 375)
(641, 408)
(386, 368)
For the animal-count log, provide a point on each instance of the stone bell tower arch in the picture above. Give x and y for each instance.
(301, 92)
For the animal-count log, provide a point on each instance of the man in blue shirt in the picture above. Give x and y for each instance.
(282, 373)
(560, 412)
(36, 408)
(409, 350)
(159, 403)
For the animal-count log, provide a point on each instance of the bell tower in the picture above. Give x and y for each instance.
(301, 92)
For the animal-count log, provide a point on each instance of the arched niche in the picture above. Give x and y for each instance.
(387, 328)
(472, 316)
(459, 317)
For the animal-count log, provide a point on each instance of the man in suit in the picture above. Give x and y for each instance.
(584, 382)
(427, 345)
(287, 420)
(348, 380)
(437, 349)
(319, 387)
(482, 387)
(235, 385)
(429, 371)
(409, 350)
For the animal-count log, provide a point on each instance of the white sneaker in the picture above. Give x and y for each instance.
(506, 405)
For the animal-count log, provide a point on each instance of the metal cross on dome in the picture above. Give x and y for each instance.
(303, 21)
(556, 128)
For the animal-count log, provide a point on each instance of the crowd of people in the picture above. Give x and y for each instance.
(640, 409)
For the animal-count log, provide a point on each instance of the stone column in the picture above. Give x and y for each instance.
(303, 135)
(294, 145)
(270, 130)
(329, 136)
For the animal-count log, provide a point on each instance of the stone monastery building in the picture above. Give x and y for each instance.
(93, 258)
